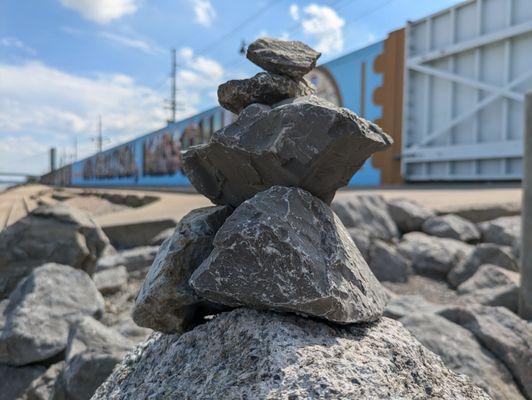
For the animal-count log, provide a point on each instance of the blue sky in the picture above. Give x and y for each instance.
(64, 62)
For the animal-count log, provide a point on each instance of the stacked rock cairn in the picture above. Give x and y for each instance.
(271, 242)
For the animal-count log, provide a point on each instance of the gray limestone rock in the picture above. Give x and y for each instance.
(504, 231)
(290, 58)
(461, 353)
(165, 301)
(14, 381)
(263, 88)
(484, 211)
(492, 286)
(134, 259)
(92, 353)
(387, 263)
(111, 280)
(40, 311)
(452, 227)
(55, 233)
(285, 250)
(408, 215)
(400, 306)
(431, 255)
(42, 387)
(305, 142)
(504, 334)
(362, 240)
(368, 213)
(484, 253)
(248, 354)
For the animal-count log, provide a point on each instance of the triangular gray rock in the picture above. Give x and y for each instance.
(305, 142)
(286, 250)
(291, 58)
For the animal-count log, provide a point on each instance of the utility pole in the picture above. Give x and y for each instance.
(75, 155)
(99, 138)
(173, 105)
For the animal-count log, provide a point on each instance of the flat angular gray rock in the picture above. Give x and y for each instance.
(387, 263)
(285, 250)
(14, 381)
(504, 334)
(400, 306)
(368, 213)
(165, 301)
(49, 234)
(431, 255)
(461, 353)
(40, 311)
(484, 253)
(248, 354)
(263, 88)
(504, 231)
(452, 227)
(483, 212)
(408, 215)
(362, 240)
(42, 387)
(305, 142)
(492, 286)
(92, 353)
(111, 280)
(135, 259)
(290, 58)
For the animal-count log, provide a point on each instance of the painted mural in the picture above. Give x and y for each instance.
(116, 163)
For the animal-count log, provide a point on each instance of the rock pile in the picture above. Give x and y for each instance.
(273, 244)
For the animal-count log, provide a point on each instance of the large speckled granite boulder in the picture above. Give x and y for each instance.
(305, 142)
(286, 250)
(249, 354)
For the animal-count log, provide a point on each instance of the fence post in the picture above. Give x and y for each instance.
(525, 293)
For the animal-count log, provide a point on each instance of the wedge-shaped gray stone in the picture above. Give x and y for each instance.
(55, 233)
(14, 381)
(387, 263)
(505, 231)
(493, 286)
(452, 227)
(135, 259)
(40, 312)
(504, 334)
(291, 58)
(165, 301)
(286, 250)
(263, 88)
(484, 253)
(247, 354)
(305, 142)
(461, 353)
(432, 255)
(408, 215)
(42, 387)
(111, 280)
(405, 305)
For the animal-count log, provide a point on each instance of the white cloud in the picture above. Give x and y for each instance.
(102, 11)
(198, 72)
(17, 44)
(324, 25)
(204, 11)
(132, 42)
(294, 12)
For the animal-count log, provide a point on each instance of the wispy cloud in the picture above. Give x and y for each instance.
(294, 12)
(204, 11)
(102, 11)
(17, 44)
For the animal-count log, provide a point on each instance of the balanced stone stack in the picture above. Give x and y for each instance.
(273, 244)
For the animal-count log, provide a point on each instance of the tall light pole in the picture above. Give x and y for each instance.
(173, 105)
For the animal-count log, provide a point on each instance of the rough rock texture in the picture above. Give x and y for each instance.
(362, 240)
(133, 259)
(291, 58)
(111, 280)
(40, 311)
(305, 142)
(400, 306)
(492, 286)
(504, 231)
(387, 264)
(92, 353)
(368, 213)
(14, 381)
(49, 234)
(247, 354)
(42, 387)
(483, 212)
(165, 301)
(286, 250)
(432, 255)
(484, 253)
(452, 227)
(504, 334)
(408, 215)
(461, 352)
(161, 237)
(263, 88)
